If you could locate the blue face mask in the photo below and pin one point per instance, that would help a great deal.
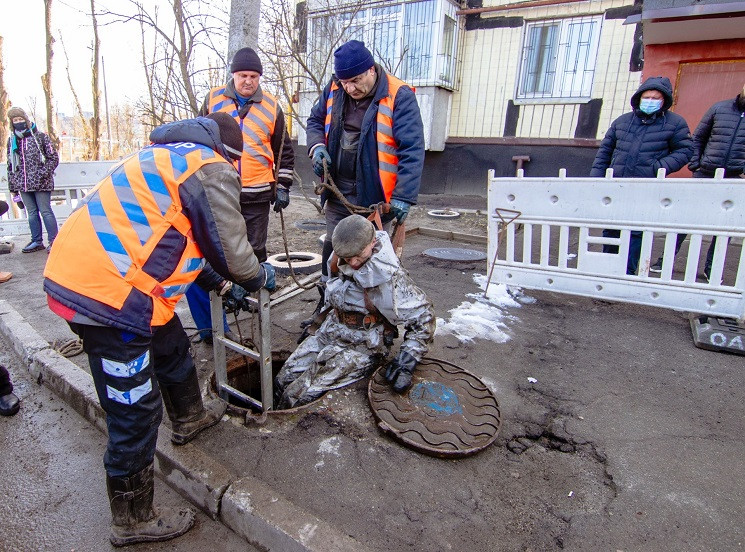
(649, 106)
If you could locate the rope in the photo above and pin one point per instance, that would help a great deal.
(68, 347)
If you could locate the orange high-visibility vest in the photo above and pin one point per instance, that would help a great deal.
(387, 148)
(257, 161)
(119, 226)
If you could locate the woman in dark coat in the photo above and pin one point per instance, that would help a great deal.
(641, 142)
(31, 163)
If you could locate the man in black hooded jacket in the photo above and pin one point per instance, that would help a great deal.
(719, 142)
(641, 142)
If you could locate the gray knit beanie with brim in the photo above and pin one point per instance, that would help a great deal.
(14, 112)
(352, 235)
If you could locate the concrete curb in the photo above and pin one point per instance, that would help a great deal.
(247, 506)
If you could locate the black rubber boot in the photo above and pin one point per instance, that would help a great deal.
(133, 518)
(187, 412)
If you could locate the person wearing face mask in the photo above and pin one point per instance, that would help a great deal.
(367, 297)
(32, 160)
(639, 143)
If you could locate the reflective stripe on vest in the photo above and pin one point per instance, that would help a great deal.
(387, 148)
(120, 227)
(257, 161)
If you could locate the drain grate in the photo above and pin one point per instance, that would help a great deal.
(447, 412)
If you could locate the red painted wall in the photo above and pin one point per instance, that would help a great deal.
(663, 60)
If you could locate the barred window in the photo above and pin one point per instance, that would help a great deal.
(558, 59)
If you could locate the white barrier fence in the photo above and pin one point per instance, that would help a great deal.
(71, 182)
(556, 244)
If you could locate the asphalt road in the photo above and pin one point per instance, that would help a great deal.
(52, 481)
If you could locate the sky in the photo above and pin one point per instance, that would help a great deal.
(22, 29)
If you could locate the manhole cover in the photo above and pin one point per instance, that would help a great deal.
(447, 411)
(312, 225)
(454, 254)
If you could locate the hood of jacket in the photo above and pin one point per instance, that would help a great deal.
(655, 83)
(200, 131)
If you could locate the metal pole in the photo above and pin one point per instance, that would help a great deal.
(106, 103)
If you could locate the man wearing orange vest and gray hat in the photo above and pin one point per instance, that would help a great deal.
(118, 267)
(366, 131)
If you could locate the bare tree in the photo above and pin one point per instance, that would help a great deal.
(85, 126)
(46, 79)
(95, 154)
(187, 46)
(3, 106)
(291, 59)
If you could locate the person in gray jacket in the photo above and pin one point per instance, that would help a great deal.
(719, 142)
(365, 301)
(641, 142)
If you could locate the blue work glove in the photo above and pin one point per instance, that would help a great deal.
(235, 299)
(269, 282)
(400, 209)
(399, 370)
(283, 198)
(321, 156)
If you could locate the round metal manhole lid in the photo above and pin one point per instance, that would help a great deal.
(313, 225)
(447, 411)
(454, 254)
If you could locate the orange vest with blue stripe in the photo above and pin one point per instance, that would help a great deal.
(120, 226)
(256, 166)
(387, 148)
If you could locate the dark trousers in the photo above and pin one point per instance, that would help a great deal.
(126, 369)
(199, 307)
(6, 387)
(635, 248)
(255, 211)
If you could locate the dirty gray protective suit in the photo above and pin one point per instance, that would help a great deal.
(338, 354)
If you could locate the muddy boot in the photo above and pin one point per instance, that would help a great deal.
(133, 518)
(189, 416)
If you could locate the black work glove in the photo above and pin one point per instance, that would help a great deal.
(235, 299)
(283, 198)
(320, 157)
(399, 370)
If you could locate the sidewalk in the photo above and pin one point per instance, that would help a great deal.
(618, 434)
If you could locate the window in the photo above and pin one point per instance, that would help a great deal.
(415, 41)
(558, 59)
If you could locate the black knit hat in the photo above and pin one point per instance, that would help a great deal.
(352, 59)
(246, 59)
(230, 133)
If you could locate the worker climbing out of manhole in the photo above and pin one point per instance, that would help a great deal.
(115, 273)
(367, 297)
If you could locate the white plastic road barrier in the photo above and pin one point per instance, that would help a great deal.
(72, 181)
(557, 244)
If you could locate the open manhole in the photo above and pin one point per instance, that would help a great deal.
(443, 213)
(454, 254)
(303, 262)
(313, 225)
(447, 411)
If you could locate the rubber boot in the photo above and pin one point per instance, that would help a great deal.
(188, 415)
(133, 518)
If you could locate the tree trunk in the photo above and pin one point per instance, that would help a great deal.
(3, 106)
(244, 25)
(96, 120)
(46, 79)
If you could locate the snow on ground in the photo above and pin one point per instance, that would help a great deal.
(486, 316)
